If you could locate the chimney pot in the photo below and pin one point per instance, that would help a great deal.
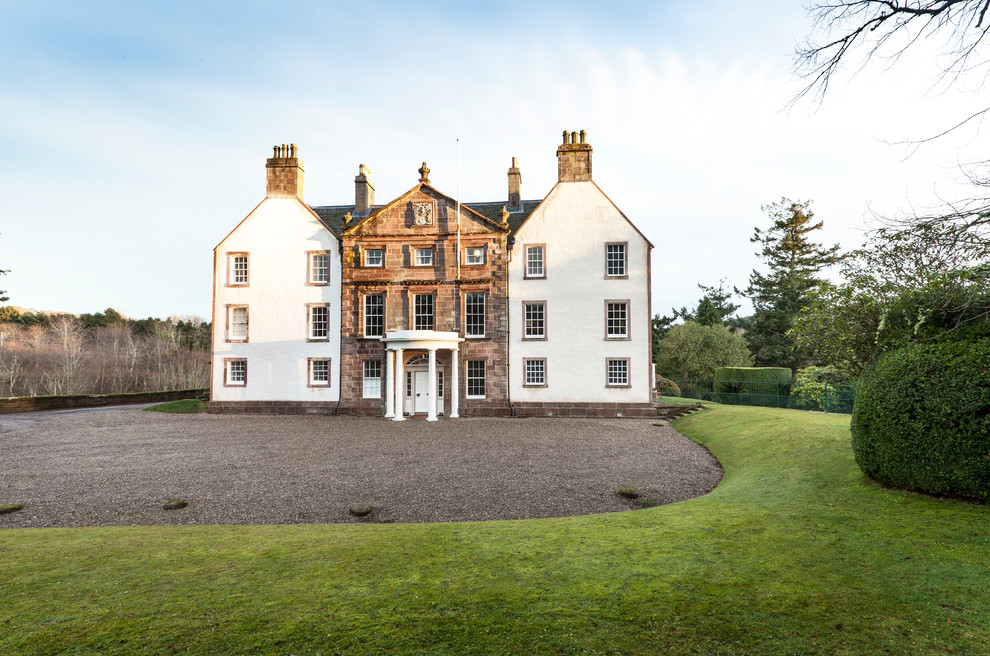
(565, 136)
(583, 135)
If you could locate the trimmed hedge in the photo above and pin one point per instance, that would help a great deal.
(751, 385)
(758, 375)
(922, 419)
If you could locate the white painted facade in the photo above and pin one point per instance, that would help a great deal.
(573, 224)
(278, 237)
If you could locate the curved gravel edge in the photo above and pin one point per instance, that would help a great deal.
(119, 467)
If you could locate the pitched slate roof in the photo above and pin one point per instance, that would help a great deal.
(332, 216)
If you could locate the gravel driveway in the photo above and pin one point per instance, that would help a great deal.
(117, 467)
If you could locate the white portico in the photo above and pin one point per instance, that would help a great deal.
(398, 345)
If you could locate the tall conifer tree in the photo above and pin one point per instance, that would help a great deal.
(793, 264)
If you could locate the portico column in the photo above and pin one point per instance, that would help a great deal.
(400, 387)
(431, 407)
(455, 385)
(389, 382)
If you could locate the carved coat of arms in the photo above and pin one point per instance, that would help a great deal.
(422, 213)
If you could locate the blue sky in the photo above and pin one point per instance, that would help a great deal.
(134, 134)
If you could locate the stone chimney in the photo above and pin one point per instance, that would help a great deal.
(364, 191)
(574, 158)
(515, 181)
(285, 173)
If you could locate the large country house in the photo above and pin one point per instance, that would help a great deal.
(424, 306)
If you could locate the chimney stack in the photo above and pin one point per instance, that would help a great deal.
(285, 173)
(574, 158)
(364, 191)
(515, 182)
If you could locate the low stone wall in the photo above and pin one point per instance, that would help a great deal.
(35, 403)
(635, 410)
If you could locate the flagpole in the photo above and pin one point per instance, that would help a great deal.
(458, 192)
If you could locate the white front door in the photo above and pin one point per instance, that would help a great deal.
(421, 390)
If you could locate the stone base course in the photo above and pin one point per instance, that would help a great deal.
(273, 407)
(613, 410)
(639, 410)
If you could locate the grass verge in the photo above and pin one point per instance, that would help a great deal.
(182, 406)
(794, 553)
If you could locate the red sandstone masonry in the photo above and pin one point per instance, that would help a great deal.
(394, 231)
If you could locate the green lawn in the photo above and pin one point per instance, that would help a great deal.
(794, 553)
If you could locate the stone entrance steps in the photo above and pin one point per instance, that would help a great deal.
(670, 411)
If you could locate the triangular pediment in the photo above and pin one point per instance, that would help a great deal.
(422, 211)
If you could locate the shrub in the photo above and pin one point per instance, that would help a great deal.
(812, 385)
(922, 419)
(667, 387)
(691, 350)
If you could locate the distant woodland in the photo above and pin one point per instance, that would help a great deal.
(102, 353)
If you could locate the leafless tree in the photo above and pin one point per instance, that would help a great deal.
(866, 29)
(859, 31)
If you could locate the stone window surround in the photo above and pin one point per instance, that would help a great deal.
(226, 372)
(414, 250)
(309, 322)
(364, 256)
(546, 322)
(484, 255)
(468, 378)
(526, 382)
(617, 338)
(484, 325)
(366, 378)
(625, 260)
(526, 274)
(364, 313)
(309, 268)
(309, 372)
(230, 268)
(228, 337)
(628, 382)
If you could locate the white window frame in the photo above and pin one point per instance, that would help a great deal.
(467, 314)
(423, 257)
(541, 369)
(528, 262)
(233, 274)
(313, 324)
(380, 256)
(474, 255)
(611, 322)
(371, 379)
(318, 274)
(229, 365)
(319, 364)
(233, 333)
(470, 376)
(621, 266)
(366, 315)
(624, 368)
(526, 334)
